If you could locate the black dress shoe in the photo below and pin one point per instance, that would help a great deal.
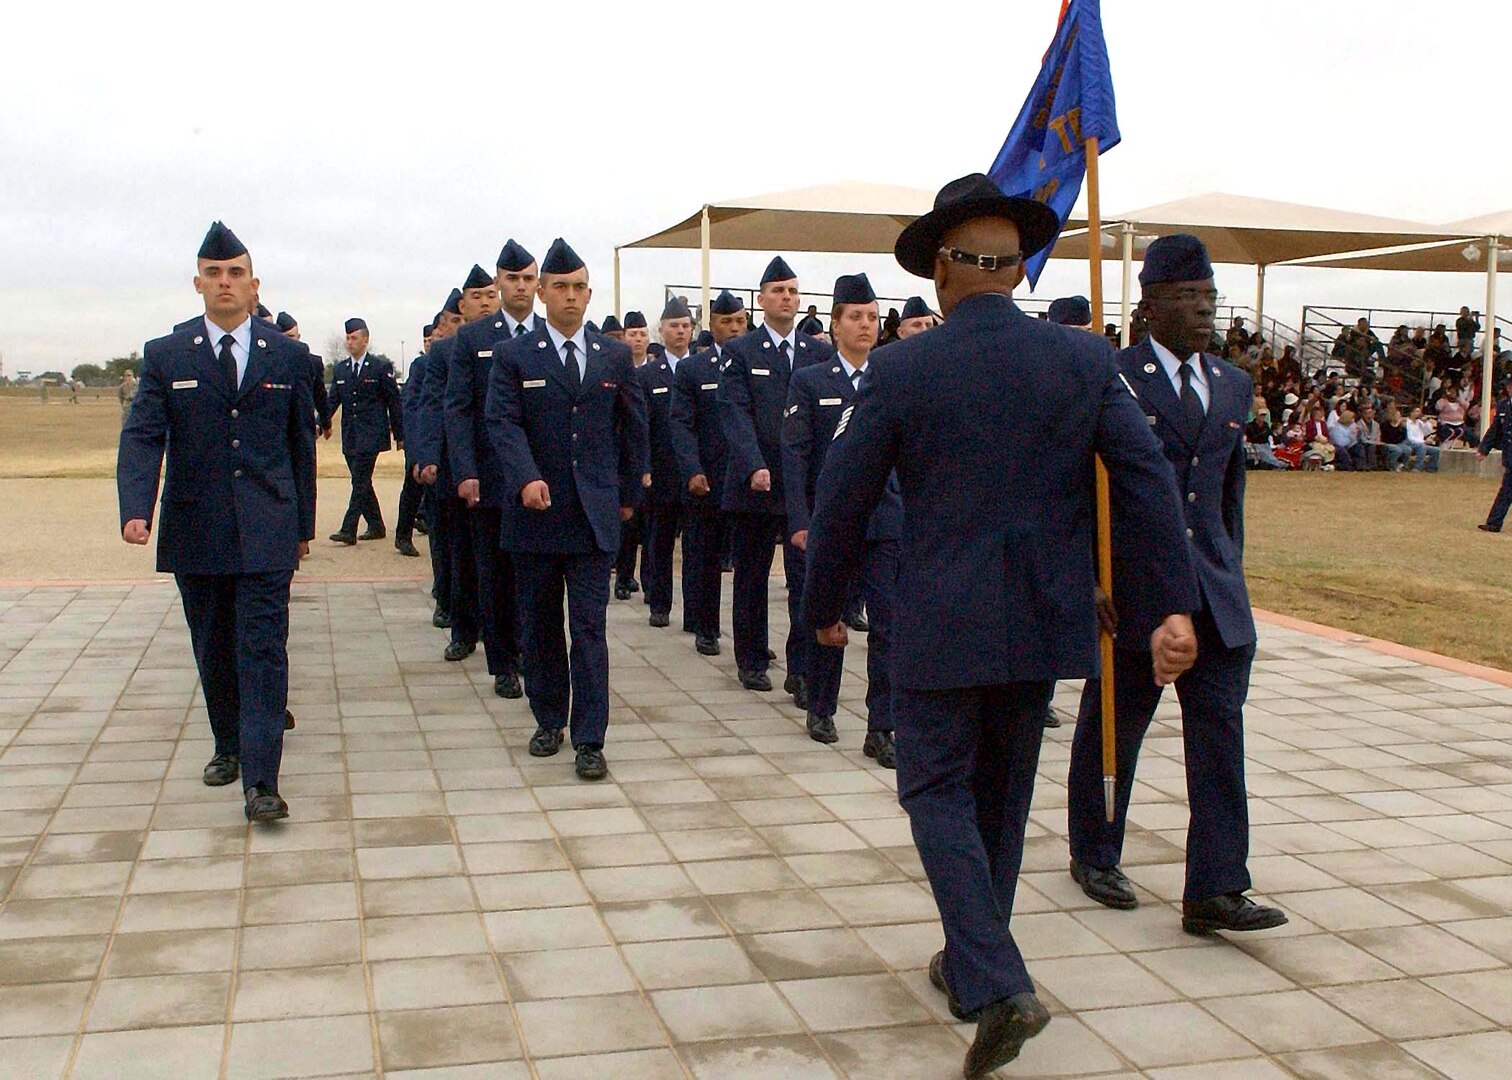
(822, 728)
(373, 534)
(264, 805)
(937, 980)
(407, 547)
(621, 592)
(1488, 528)
(1230, 911)
(422, 528)
(632, 585)
(771, 654)
(879, 745)
(798, 687)
(221, 770)
(590, 764)
(344, 538)
(1108, 887)
(508, 686)
(706, 645)
(859, 624)
(441, 620)
(755, 680)
(1052, 720)
(545, 742)
(459, 650)
(726, 566)
(288, 720)
(1005, 1026)
(660, 619)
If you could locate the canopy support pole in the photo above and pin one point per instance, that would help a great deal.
(1125, 327)
(703, 235)
(1260, 300)
(1488, 323)
(617, 313)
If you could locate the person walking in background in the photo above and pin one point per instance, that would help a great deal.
(124, 393)
(367, 393)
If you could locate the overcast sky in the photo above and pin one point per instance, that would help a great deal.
(368, 156)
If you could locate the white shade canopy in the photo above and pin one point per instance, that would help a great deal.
(1464, 254)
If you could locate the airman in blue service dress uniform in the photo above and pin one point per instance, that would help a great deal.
(476, 468)
(663, 486)
(752, 396)
(568, 422)
(995, 597)
(817, 398)
(1196, 405)
(367, 393)
(456, 607)
(1498, 436)
(413, 494)
(290, 327)
(633, 540)
(228, 402)
(699, 443)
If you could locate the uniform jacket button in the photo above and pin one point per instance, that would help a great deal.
(234, 414)
(1191, 496)
(1194, 463)
(237, 474)
(1189, 534)
(236, 444)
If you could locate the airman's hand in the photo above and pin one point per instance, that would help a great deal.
(135, 531)
(800, 539)
(1173, 648)
(761, 480)
(699, 485)
(535, 495)
(467, 491)
(833, 636)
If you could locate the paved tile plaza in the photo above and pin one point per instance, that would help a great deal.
(736, 901)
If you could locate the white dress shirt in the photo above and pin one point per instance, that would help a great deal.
(791, 339)
(512, 324)
(579, 343)
(852, 372)
(1173, 372)
(241, 344)
(673, 361)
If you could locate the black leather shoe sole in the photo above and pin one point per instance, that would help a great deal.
(755, 680)
(822, 729)
(590, 765)
(458, 650)
(660, 619)
(860, 626)
(1251, 917)
(407, 549)
(882, 751)
(221, 770)
(371, 535)
(1487, 528)
(1005, 1026)
(545, 743)
(621, 593)
(344, 538)
(1107, 893)
(288, 720)
(265, 807)
(441, 620)
(1051, 719)
(937, 980)
(707, 646)
(508, 686)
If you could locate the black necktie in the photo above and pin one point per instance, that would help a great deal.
(574, 377)
(519, 330)
(856, 381)
(1191, 404)
(228, 362)
(787, 360)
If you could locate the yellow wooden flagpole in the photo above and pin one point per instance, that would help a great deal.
(1104, 502)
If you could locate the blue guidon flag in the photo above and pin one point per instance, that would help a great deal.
(1045, 154)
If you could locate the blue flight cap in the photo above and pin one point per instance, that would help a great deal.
(1178, 257)
(513, 257)
(560, 259)
(853, 289)
(778, 270)
(453, 303)
(726, 303)
(477, 278)
(634, 320)
(354, 325)
(676, 308)
(1071, 311)
(285, 321)
(590, 325)
(656, 348)
(263, 312)
(428, 329)
(916, 308)
(610, 325)
(811, 326)
(705, 339)
(220, 244)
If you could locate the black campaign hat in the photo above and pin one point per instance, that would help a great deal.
(916, 308)
(477, 278)
(1178, 257)
(513, 257)
(726, 303)
(853, 289)
(220, 244)
(560, 259)
(676, 308)
(354, 325)
(1071, 311)
(285, 321)
(961, 200)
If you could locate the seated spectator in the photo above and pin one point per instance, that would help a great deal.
(1420, 338)
(1259, 448)
(1394, 438)
(1315, 436)
(1344, 433)
(1370, 437)
(1465, 329)
(1289, 366)
(1419, 432)
(1293, 441)
(1450, 407)
(1237, 335)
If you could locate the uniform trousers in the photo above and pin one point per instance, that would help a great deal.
(462, 596)
(410, 497)
(801, 649)
(876, 583)
(629, 548)
(566, 686)
(497, 608)
(1502, 502)
(239, 630)
(705, 534)
(1212, 697)
(662, 523)
(968, 756)
(755, 540)
(364, 501)
(440, 550)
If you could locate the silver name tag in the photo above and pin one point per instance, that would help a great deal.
(831, 401)
(532, 384)
(709, 386)
(485, 352)
(186, 384)
(761, 371)
(660, 389)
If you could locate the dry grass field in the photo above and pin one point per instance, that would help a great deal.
(1391, 556)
